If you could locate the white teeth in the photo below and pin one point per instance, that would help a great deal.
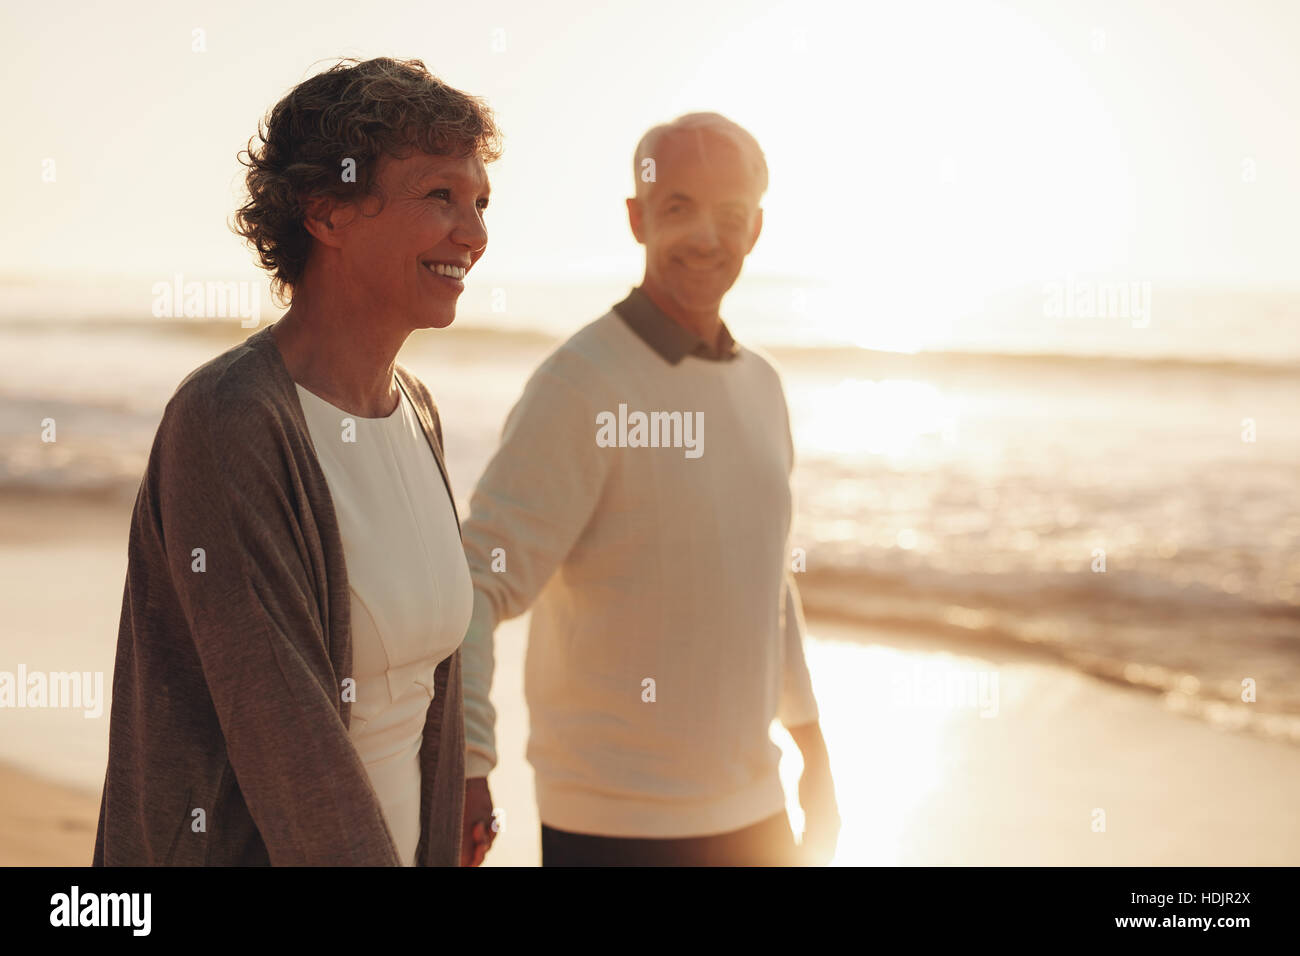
(443, 269)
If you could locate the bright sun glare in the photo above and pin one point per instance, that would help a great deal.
(918, 206)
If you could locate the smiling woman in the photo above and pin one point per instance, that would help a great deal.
(298, 689)
(398, 110)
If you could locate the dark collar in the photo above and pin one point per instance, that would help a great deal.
(670, 340)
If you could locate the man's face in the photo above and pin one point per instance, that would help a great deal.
(432, 218)
(698, 221)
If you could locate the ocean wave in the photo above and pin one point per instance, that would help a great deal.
(862, 360)
(939, 362)
(1193, 651)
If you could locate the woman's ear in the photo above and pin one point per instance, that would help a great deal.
(323, 220)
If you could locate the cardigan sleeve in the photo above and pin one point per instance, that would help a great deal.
(253, 601)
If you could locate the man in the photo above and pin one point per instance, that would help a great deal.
(666, 632)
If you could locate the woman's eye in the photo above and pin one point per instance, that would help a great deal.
(441, 194)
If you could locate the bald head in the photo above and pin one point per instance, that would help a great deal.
(705, 135)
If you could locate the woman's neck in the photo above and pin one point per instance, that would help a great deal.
(339, 359)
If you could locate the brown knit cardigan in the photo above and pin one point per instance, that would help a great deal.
(228, 742)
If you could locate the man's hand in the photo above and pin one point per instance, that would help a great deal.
(477, 832)
(821, 831)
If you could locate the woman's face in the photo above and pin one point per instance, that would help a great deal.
(408, 260)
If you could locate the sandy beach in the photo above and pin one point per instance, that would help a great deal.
(1026, 773)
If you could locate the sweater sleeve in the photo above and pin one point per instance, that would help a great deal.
(532, 503)
(253, 609)
(798, 705)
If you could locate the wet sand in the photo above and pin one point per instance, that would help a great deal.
(1054, 767)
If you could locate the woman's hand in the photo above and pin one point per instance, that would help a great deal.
(477, 831)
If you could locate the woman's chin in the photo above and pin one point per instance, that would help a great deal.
(438, 320)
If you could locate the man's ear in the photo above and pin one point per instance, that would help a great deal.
(323, 220)
(636, 218)
(758, 227)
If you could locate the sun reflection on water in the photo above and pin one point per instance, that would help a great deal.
(887, 758)
(890, 417)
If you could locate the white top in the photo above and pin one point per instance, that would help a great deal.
(410, 586)
(669, 564)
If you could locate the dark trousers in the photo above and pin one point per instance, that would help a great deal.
(769, 842)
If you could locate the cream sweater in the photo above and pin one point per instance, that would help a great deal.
(666, 632)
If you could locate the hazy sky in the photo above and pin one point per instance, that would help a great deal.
(962, 145)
